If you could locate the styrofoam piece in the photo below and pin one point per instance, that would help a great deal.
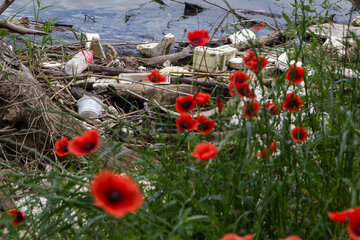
(236, 63)
(212, 59)
(93, 43)
(89, 106)
(51, 65)
(282, 62)
(139, 77)
(175, 70)
(229, 51)
(164, 47)
(242, 36)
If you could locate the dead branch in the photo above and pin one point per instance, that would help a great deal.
(186, 52)
(17, 29)
(203, 83)
(110, 70)
(276, 38)
(5, 5)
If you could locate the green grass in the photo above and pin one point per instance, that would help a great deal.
(289, 193)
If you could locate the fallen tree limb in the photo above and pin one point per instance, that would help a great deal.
(203, 83)
(186, 52)
(5, 5)
(17, 29)
(110, 70)
(270, 40)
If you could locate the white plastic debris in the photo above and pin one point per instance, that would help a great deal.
(52, 65)
(282, 62)
(142, 68)
(89, 106)
(176, 70)
(241, 37)
(236, 63)
(356, 21)
(164, 47)
(93, 43)
(212, 59)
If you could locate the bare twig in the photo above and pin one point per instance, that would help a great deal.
(5, 5)
(13, 28)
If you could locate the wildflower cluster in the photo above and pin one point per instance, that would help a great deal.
(202, 124)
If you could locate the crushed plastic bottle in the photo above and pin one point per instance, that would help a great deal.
(79, 62)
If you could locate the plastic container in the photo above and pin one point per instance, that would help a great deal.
(208, 59)
(79, 62)
(89, 106)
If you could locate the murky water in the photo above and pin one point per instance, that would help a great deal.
(142, 20)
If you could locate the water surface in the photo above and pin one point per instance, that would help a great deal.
(143, 20)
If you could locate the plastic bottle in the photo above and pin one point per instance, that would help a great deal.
(79, 62)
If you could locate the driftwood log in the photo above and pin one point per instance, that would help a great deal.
(276, 38)
(154, 61)
(166, 95)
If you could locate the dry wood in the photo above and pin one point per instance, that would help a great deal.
(274, 39)
(5, 5)
(186, 52)
(165, 95)
(203, 83)
(110, 70)
(17, 29)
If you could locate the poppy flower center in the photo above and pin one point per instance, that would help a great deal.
(292, 103)
(204, 126)
(154, 79)
(19, 217)
(186, 105)
(89, 146)
(184, 125)
(114, 197)
(64, 149)
(299, 135)
(195, 41)
(357, 231)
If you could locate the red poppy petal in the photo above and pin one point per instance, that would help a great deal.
(116, 194)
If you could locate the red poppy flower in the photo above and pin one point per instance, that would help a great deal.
(84, 144)
(292, 102)
(257, 64)
(250, 109)
(185, 122)
(61, 147)
(291, 238)
(272, 108)
(155, 77)
(298, 134)
(233, 236)
(264, 152)
(204, 125)
(248, 59)
(259, 27)
(198, 38)
(219, 104)
(295, 74)
(116, 194)
(243, 89)
(205, 151)
(185, 104)
(353, 217)
(238, 77)
(202, 98)
(20, 216)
